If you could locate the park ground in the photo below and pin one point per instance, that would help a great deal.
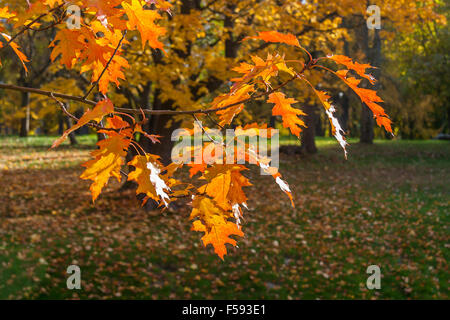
(387, 205)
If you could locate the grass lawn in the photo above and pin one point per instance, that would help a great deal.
(387, 205)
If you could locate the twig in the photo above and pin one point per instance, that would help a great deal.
(64, 109)
(204, 131)
(214, 121)
(67, 113)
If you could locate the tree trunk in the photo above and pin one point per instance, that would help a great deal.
(68, 122)
(272, 121)
(308, 135)
(72, 138)
(366, 126)
(448, 119)
(345, 105)
(367, 121)
(25, 122)
(162, 125)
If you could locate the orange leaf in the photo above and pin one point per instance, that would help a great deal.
(108, 160)
(290, 115)
(359, 68)
(67, 43)
(23, 58)
(147, 175)
(227, 115)
(336, 128)
(112, 74)
(219, 234)
(213, 221)
(143, 20)
(263, 162)
(5, 14)
(369, 97)
(274, 36)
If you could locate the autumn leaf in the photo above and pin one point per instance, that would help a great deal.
(113, 73)
(261, 71)
(219, 234)
(5, 13)
(235, 193)
(369, 97)
(213, 221)
(283, 107)
(143, 20)
(264, 164)
(219, 181)
(227, 115)
(108, 160)
(22, 57)
(147, 175)
(274, 36)
(103, 8)
(284, 187)
(195, 168)
(224, 184)
(67, 44)
(101, 56)
(359, 68)
(336, 128)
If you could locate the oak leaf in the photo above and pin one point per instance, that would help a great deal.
(108, 161)
(359, 68)
(283, 107)
(68, 44)
(147, 175)
(214, 222)
(219, 234)
(143, 21)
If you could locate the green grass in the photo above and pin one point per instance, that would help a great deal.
(388, 205)
(41, 142)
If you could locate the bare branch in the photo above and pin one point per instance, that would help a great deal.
(64, 109)
(47, 93)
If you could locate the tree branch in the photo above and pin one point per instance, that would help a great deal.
(47, 93)
(156, 112)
